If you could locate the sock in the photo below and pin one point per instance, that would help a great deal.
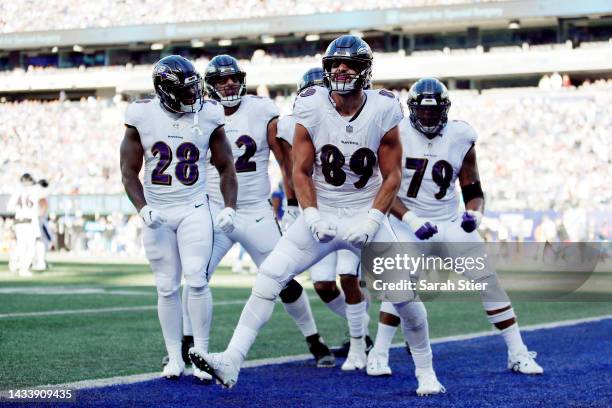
(169, 312)
(338, 305)
(355, 317)
(416, 333)
(302, 315)
(513, 339)
(200, 310)
(384, 337)
(256, 313)
(187, 330)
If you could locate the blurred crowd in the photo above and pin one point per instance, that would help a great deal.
(539, 150)
(61, 14)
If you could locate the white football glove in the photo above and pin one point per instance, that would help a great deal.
(225, 220)
(291, 214)
(362, 233)
(323, 231)
(152, 218)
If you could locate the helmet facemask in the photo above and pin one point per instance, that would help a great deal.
(343, 82)
(182, 98)
(229, 95)
(429, 116)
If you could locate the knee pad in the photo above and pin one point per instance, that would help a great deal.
(166, 293)
(413, 314)
(194, 273)
(266, 287)
(493, 293)
(166, 287)
(387, 307)
(292, 292)
(197, 291)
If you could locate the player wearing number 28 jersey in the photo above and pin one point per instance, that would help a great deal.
(173, 133)
(349, 140)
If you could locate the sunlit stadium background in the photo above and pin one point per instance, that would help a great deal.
(534, 78)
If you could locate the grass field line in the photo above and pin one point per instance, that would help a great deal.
(67, 290)
(111, 309)
(130, 379)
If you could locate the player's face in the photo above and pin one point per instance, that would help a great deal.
(228, 86)
(342, 70)
(429, 116)
(187, 94)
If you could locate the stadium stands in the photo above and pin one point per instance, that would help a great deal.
(61, 15)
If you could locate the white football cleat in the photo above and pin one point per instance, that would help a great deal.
(357, 357)
(524, 363)
(219, 365)
(201, 376)
(173, 370)
(428, 382)
(378, 364)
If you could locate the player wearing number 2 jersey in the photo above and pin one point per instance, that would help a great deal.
(251, 127)
(174, 133)
(349, 139)
(437, 153)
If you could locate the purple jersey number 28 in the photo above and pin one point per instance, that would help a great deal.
(186, 170)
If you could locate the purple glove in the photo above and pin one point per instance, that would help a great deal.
(426, 231)
(422, 229)
(470, 220)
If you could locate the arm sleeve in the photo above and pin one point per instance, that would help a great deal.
(304, 110)
(132, 115)
(270, 110)
(467, 140)
(286, 129)
(393, 115)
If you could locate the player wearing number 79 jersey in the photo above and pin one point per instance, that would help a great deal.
(438, 153)
(173, 133)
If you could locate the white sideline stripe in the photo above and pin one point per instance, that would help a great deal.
(103, 310)
(131, 379)
(110, 309)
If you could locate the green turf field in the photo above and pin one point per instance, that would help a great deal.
(49, 335)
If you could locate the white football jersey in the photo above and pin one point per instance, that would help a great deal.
(431, 167)
(25, 203)
(346, 172)
(247, 132)
(175, 149)
(286, 128)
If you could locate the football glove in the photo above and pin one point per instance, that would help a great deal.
(225, 220)
(362, 233)
(322, 231)
(291, 214)
(152, 218)
(422, 229)
(471, 220)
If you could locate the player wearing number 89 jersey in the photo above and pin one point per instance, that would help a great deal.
(173, 133)
(349, 140)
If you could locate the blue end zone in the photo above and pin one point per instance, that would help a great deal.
(577, 361)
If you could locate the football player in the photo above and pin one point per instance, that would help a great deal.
(343, 262)
(25, 203)
(173, 133)
(438, 153)
(251, 127)
(346, 172)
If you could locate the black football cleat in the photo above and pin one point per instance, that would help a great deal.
(317, 347)
(187, 343)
